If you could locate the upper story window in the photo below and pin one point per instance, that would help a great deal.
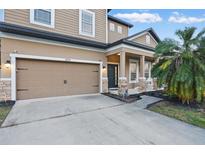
(87, 23)
(147, 39)
(119, 29)
(1, 14)
(112, 27)
(43, 17)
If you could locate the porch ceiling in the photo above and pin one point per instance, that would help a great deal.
(131, 51)
(115, 58)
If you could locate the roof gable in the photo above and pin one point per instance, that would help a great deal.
(149, 31)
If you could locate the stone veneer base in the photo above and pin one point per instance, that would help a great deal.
(5, 90)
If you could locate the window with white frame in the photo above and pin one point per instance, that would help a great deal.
(1, 14)
(112, 27)
(44, 17)
(87, 23)
(147, 39)
(147, 71)
(133, 71)
(119, 29)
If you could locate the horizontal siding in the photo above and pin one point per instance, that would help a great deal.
(66, 22)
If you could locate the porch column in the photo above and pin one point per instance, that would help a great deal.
(122, 78)
(122, 64)
(142, 62)
(142, 82)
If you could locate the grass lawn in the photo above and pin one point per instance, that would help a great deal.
(183, 113)
(3, 113)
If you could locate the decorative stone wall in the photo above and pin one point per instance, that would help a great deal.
(142, 84)
(105, 85)
(5, 90)
(123, 86)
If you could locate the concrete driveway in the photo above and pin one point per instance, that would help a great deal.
(94, 119)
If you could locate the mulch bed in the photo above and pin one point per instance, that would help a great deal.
(173, 99)
(128, 99)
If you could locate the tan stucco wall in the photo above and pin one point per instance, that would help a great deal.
(142, 40)
(25, 47)
(66, 22)
(114, 35)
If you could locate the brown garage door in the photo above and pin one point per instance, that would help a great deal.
(37, 79)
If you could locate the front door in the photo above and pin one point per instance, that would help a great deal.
(112, 75)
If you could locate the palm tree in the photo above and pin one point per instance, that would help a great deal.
(181, 65)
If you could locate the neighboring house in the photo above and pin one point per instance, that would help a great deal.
(47, 53)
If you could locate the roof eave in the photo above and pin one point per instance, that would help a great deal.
(149, 30)
(120, 21)
(133, 44)
(21, 30)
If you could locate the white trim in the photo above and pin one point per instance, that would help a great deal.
(3, 15)
(137, 36)
(14, 56)
(137, 70)
(80, 23)
(13, 78)
(101, 74)
(129, 47)
(52, 25)
(49, 42)
(106, 40)
(5, 79)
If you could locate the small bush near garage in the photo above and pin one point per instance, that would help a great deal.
(4, 110)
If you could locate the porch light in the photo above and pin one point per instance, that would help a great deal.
(8, 63)
(104, 67)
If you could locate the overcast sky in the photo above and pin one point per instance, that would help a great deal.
(164, 22)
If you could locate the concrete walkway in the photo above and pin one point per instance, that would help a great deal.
(146, 100)
(109, 122)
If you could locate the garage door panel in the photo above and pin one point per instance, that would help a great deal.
(36, 79)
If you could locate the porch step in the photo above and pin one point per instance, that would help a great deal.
(113, 91)
(113, 88)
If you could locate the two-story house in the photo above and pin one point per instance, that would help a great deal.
(49, 53)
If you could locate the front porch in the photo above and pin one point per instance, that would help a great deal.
(129, 71)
